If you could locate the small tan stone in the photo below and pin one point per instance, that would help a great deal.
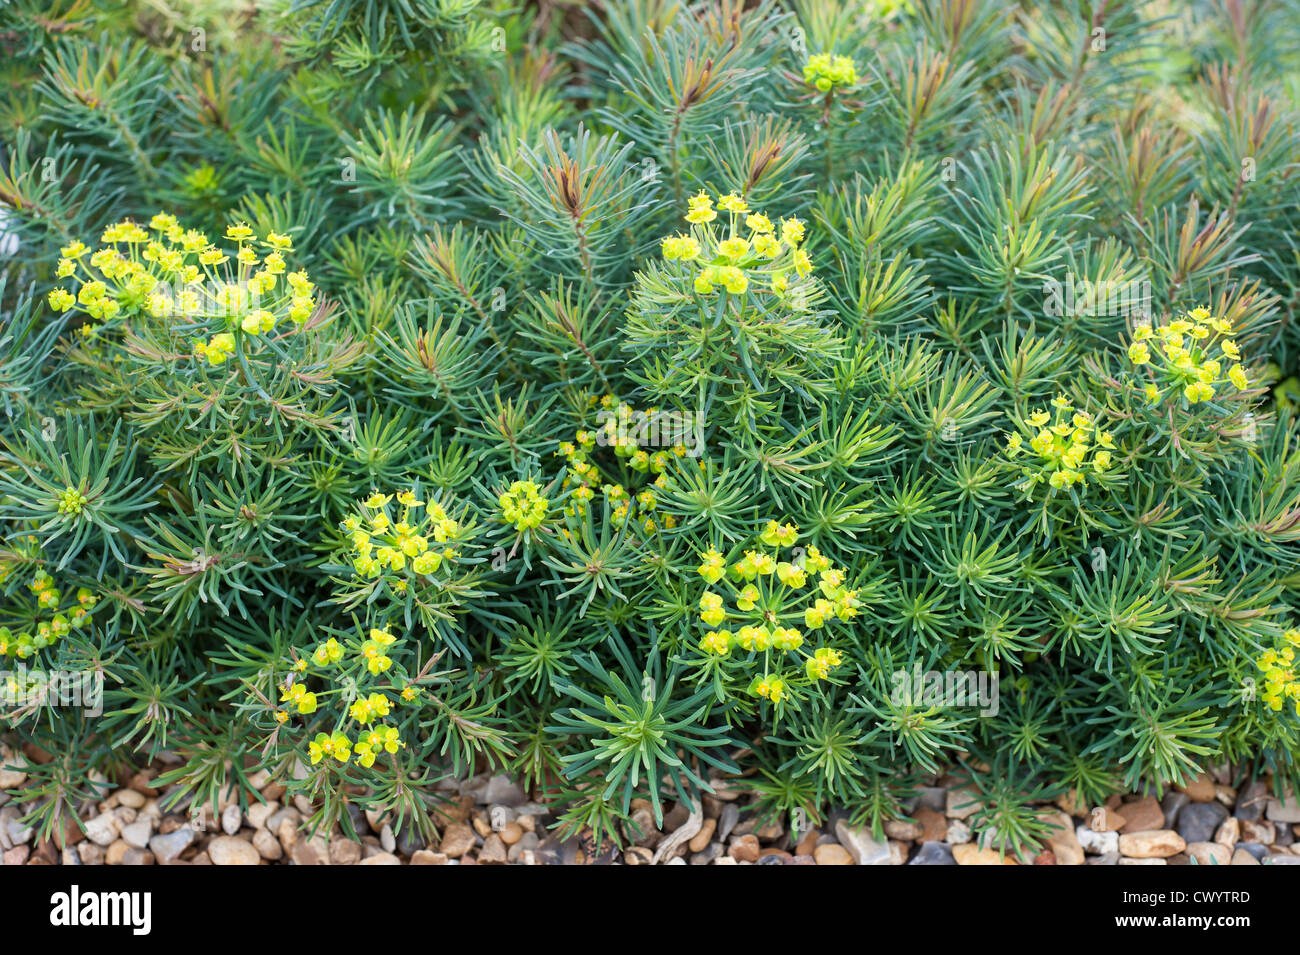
(382, 858)
(228, 850)
(259, 813)
(962, 803)
(425, 857)
(745, 848)
(1151, 844)
(1062, 840)
(1229, 833)
(130, 798)
(1242, 857)
(1262, 831)
(344, 852)
(114, 853)
(1200, 789)
(902, 830)
(267, 845)
(493, 851)
(1209, 853)
(457, 840)
(832, 854)
(700, 841)
(934, 827)
(1142, 814)
(968, 853)
(511, 833)
(809, 842)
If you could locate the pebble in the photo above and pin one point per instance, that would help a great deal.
(832, 854)
(700, 841)
(138, 834)
(231, 817)
(1102, 819)
(511, 833)
(260, 813)
(425, 857)
(1070, 804)
(344, 852)
(227, 850)
(493, 851)
(727, 820)
(861, 844)
(387, 839)
(113, 855)
(1106, 858)
(137, 857)
(934, 853)
(1252, 800)
(526, 846)
(962, 803)
(903, 830)
(19, 833)
(90, 854)
(167, 846)
(1062, 840)
(103, 829)
(1172, 804)
(382, 858)
(304, 853)
(707, 855)
(1229, 833)
(971, 854)
(267, 845)
(1200, 789)
(1262, 832)
(1097, 843)
(1142, 814)
(1151, 844)
(934, 825)
(1199, 821)
(501, 790)
(744, 848)
(1284, 810)
(1133, 861)
(457, 839)
(11, 777)
(18, 855)
(131, 799)
(934, 798)
(1209, 853)
(958, 833)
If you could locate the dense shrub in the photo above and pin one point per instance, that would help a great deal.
(632, 397)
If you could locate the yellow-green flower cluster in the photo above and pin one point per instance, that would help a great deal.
(413, 539)
(64, 616)
(171, 272)
(768, 606)
(1281, 679)
(341, 669)
(619, 426)
(523, 505)
(369, 744)
(1061, 447)
(828, 71)
(1194, 356)
(747, 251)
